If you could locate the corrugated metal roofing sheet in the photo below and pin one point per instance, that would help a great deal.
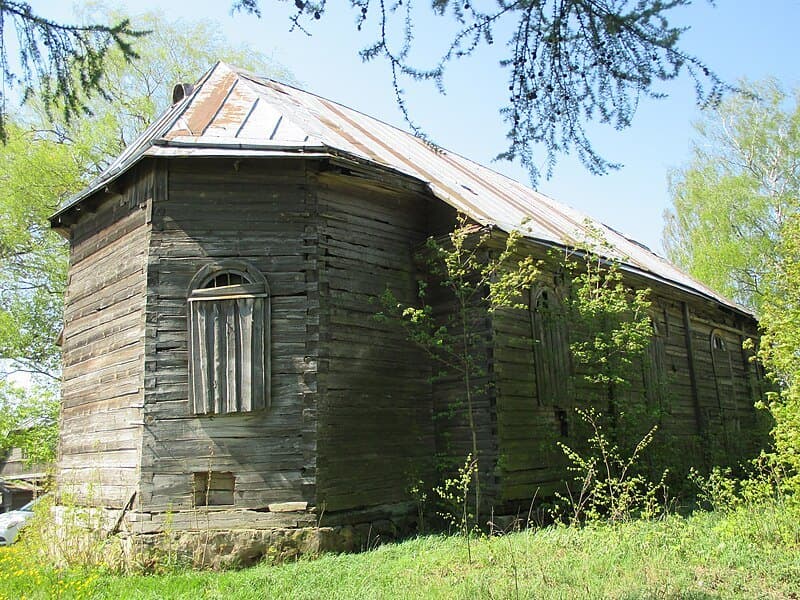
(232, 112)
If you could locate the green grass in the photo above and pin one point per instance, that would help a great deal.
(749, 553)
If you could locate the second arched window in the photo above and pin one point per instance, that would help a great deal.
(551, 354)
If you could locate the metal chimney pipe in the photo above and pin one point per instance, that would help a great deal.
(180, 91)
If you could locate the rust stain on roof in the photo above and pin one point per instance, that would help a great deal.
(234, 111)
(208, 105)
(541, 218)
(353, 140)
(376, 141)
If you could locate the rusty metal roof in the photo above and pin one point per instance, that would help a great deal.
(234, 113)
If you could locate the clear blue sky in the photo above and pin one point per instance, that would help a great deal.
(737, 38)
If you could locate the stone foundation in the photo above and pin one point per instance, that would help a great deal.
(253, 537)
(245, 547)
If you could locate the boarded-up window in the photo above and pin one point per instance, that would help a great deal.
(654, 365)
(213, 488)
(551, 355)
(724, 380)
(229, 359)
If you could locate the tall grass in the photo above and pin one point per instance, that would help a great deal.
(749, 552)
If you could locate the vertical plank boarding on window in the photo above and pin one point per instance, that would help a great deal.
(550, 350)
(245, 332)
(724, 384)
(654, 365)
(260, 355)
(229, 370)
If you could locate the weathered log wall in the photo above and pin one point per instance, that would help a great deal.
(263, 213)
(375, 435)
(702, 400)
(103, 349)
(354, 419)
(454, 435)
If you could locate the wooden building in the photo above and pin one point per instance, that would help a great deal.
(20, 482)
(220, 353)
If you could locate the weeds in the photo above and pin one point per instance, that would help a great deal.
(69, 534)
(419, 493)
(747, 553)
(454, 495)
(609, 485)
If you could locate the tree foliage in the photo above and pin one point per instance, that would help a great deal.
(29, 421)
(735, 224)
(36, 173)
(780, 349)
(741, 185)
(61, 64)
(568, 62)
(611, 320)
(50, 156)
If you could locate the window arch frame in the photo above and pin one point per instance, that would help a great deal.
(552, 370)
(724, 381)
(654, 361)
(228, 326)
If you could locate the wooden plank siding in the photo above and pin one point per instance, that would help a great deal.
(375, 433)
(260, 212)
(451, 414)
(14, 464)
(103, 349)
(531, 465)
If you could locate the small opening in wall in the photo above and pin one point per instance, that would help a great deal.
(225, 279)
(563, 423)
(213, 488)
(717, 343)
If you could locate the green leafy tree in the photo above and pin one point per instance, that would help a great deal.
(568, 62)
(477, 277)
(731, 201)
(62, 64)
(611, 320)
(611, 333)
(36, 173)
(735, 224)
(780, 350)
(29, 421)
(48, 157)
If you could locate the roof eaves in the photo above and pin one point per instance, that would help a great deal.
(134, 152)
(641, 272)
(237, 145)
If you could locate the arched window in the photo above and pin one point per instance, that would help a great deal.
(718, 342)
(654, 364)
(723, 379)
(229, 340)
(551, 354)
